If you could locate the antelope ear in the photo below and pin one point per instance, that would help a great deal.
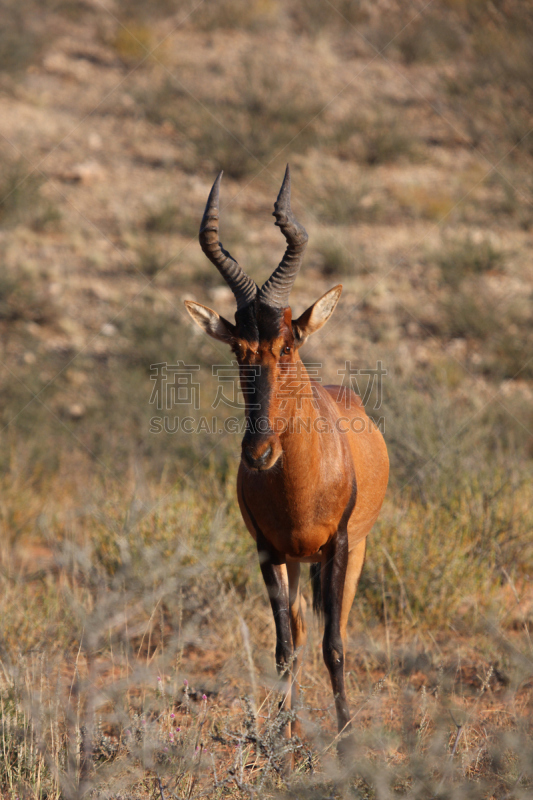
(316, 315)
(211, 322)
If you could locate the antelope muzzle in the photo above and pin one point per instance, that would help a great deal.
(260, 449)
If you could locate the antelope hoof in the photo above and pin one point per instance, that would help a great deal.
(346, 750)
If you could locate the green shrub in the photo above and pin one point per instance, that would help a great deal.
(345, 202)
(338, 257)
(21, 37)
(24, 296)
(21, 198)
(461, 258)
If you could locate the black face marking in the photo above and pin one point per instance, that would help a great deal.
(246, 324)
(258, 322)
(269, 322)
(259, 400)
(260, 325)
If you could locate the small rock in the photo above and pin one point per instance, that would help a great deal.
(86, 173)
(76, 410)
(94, 141)
(108, 329)
(422, 355)
(458, 348)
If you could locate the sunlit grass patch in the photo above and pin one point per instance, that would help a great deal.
(445, 563)
(238, 14)
(421, 202)
(133, 43)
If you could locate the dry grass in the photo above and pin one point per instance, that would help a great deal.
(137, 644)
(157, 669)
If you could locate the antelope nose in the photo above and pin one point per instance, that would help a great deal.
(259, 462)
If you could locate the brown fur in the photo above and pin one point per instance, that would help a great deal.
(298, 504)
(311, 481)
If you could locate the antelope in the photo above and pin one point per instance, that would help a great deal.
(314, 467)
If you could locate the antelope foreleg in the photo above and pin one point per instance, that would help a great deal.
(274, 570)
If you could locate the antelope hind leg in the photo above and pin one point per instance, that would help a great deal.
(297, 608)
(341, 572)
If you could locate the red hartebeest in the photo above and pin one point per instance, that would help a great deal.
(314, 468)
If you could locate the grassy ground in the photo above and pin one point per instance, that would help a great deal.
(136, 649)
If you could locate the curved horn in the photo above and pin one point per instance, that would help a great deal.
(275, 292)
(242, 286)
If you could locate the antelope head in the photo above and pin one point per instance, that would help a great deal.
(264, 338)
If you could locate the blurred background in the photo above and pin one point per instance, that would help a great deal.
(126, 568)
